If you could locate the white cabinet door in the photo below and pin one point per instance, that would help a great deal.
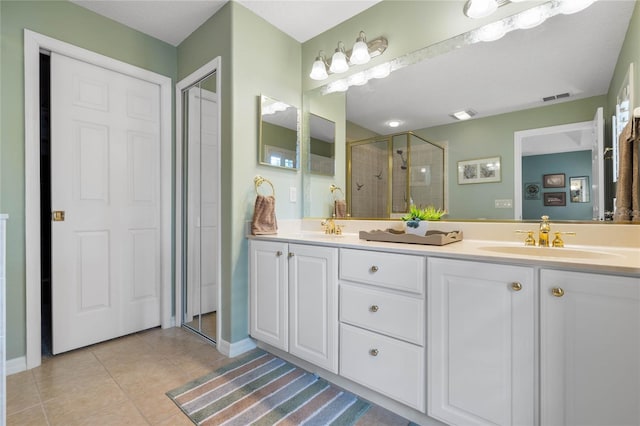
(589, 349)
(268, 293)
(313, 304)
(480, 343)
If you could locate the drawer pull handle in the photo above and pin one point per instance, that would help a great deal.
(374, 308)
(516, 286)
(278, 253)
(373, 352)
(557, 292)
(291, 255)
(374, 268)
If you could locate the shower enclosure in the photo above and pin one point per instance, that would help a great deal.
(386, 174)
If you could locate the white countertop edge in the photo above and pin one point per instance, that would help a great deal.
(626, 261)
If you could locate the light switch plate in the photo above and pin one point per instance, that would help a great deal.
(504, 204)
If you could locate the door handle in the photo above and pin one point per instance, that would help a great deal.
(57, 215)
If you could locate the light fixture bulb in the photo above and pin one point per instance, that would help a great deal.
(393, 123)
(567, 7)
(491, 32)
(529, 18)
(480, 8)
(338, 86)
(358, 79)
(339, 60)
(360, 52)
(319, 69)
(380, 71)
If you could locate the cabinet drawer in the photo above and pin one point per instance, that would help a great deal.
(398, 316)
(398, 271)
(388, 366)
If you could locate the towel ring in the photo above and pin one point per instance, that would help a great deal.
(259, 180)
(333, 188)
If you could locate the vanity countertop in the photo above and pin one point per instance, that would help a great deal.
(623, 260)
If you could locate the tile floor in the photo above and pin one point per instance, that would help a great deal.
(123, 382)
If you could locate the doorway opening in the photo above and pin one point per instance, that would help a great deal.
(45, 205)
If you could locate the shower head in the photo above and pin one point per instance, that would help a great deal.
(399, 152)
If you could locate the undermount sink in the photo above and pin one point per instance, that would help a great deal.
(549, 252)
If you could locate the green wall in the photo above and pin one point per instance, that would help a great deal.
(73, 24)
(279, 136)
(256, 59)
(493, 136)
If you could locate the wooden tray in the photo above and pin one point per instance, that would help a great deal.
(435, 238)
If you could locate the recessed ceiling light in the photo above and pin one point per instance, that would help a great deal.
(393, 123)
(463, 115)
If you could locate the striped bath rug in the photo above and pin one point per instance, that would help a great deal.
(261, 389)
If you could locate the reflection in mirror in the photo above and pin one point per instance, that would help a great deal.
(322, 134)
(579, 187)
(278, 135)
(504, 82)
(387, 174)
(199, 205)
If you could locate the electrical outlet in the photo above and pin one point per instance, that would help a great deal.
(293, 194)
(504, 204)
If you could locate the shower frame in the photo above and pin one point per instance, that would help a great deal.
(389, 139)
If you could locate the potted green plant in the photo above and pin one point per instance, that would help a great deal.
(417, 220)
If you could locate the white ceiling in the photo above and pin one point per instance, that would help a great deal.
(174, 20)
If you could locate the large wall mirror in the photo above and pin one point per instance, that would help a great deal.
(554, 74)
(278, 135)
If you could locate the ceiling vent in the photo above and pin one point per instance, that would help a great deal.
(555, 97)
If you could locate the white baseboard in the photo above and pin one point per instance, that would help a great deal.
(16, 365)
(234, 349)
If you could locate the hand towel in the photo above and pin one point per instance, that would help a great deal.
(264, 216)
(628, 186)
(340, 208)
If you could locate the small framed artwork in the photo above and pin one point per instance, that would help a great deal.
(579, 189)
(555, 180)
(531, 191)
(482, 170)
(555, 198)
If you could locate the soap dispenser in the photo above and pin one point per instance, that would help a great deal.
(543, 233)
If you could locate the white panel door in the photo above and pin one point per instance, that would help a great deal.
(202, 276)
(313, 304)
(597, 165)
(269, 293)
(480, 343)
(589, 349)
(105, 161)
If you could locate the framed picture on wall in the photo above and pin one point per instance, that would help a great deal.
(555, 198)
(531, 191)
(482, 170)
(555, 180)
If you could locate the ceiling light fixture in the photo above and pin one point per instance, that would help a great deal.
(463, 115)
(393, 123)
(477, 9)
(360, 54)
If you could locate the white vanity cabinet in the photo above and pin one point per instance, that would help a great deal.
(481, 343)
(382, 323)
(294, 299)
(589, 349)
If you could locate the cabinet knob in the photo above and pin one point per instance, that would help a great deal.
(374, 308)
(374, 268)
(278, 253)
(557, 292)
(291, 255)
(373, 352)
(516, 286)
